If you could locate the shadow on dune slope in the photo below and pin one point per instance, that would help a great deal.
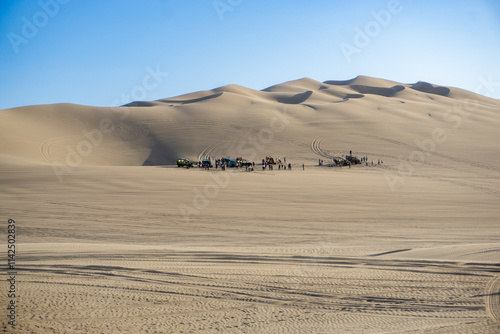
(426, 87)
(200, 99)
(160, 154)
(295, 99)
(383, 91)
(340, 82)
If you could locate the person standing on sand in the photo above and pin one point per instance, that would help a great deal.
(303, 167)
(289, 166)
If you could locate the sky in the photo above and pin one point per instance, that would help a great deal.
(109, 53)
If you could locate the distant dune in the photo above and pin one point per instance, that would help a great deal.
(222, 121)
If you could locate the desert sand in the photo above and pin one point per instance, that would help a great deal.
(112, 237)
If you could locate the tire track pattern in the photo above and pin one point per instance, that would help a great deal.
(48, 146)
(448, 157)
(316, 148)
(57, 144)
(273, 297)
(493, 298)
(207, 152)
(219, 291)
(459, 161)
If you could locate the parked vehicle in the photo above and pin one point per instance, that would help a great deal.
(353, 160)
(339, 161)
(183, 162)
(229, 162)
(206, 163)
(270, 160)
(243, 162)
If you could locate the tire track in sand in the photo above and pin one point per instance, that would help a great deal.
(49, 145)
(316, 148)
(207, 152)
(445, 156)
(493, 298)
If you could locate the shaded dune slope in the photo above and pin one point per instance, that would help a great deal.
(382, 91)
(295, 99)
(200, 99)
(429, 88)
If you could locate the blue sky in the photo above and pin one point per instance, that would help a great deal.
(102, 53)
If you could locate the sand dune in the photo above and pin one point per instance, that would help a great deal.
(111, 237)
(229, 114)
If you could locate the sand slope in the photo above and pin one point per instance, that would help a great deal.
(230, 117)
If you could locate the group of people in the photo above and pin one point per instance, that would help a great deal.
(349, 160)
(365, 160)
(269, 165)
(223, 163)
(270, 162)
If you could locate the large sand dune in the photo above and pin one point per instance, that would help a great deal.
(157, 132)
(112, 238)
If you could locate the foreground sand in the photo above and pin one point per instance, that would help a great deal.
(112, 239)
(322, 250)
